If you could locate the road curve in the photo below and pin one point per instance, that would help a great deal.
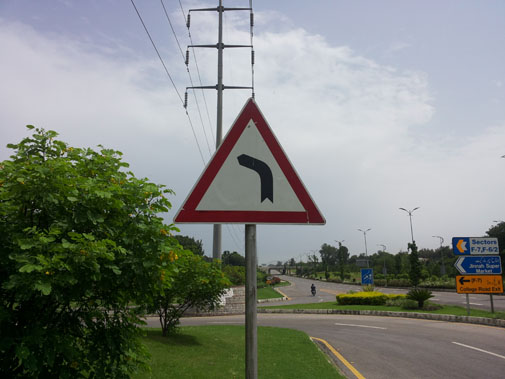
(381, 347)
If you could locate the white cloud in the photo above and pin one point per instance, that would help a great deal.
(345, 122)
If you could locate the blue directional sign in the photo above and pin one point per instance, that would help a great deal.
(479, 265)
(475, 245)
(366, 276)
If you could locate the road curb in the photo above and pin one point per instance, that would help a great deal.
(424, 316)
(284, 298)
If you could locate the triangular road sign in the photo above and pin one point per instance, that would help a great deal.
(249, 180)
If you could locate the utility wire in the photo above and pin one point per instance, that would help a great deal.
(189, 74)
(169, 76)
(198, 73)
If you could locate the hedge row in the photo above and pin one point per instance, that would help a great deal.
(367, 298)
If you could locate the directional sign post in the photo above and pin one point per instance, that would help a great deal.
(479, 265)
(479, 284)
(366, 276)
(475, 246)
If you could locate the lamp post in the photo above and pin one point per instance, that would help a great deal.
(339, 242)
(442, 268)
(366, 249)
(410, 216)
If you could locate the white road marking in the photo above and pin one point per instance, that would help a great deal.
(476, 348)
(361, 326)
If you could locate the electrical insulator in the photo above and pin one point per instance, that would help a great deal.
(186, 99)
(189, 21)
(252, 57)
(252, 20)
(187, 57)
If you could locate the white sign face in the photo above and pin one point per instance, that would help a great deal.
(239, 188)
(249, 180)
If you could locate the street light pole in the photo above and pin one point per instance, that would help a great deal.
(366, 249)
(410, 216)
(442, 268)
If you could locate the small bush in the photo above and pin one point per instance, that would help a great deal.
(362, 298)
(420, 295)
(368, 288)
(275, 280)
(429, 306)
(409, 304)
(395, 300)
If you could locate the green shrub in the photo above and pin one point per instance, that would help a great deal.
(81, 241)
(368, 288)
(362, 298)
(409, 304)
(367, 298)
(420, 295)
(236, 274)
(395, 300)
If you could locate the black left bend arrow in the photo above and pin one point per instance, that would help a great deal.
(266, 179)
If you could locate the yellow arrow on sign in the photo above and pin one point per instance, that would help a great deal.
(461, 245)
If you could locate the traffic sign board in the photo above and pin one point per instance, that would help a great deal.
(366, 276)
(479, 284)
(475, 245)
(249, 180)
(474, 264)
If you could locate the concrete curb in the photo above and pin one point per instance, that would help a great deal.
(284, 298)
(424, 316)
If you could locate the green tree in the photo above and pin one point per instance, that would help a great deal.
(196, 284)
(80, 242)
(328, 255)
(415, 265)
(498, 231)
(342, 258)
(232, 259)
(189, 243)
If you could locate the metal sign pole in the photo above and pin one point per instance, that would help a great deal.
(492, 303)
(467, 305)
(251, 363)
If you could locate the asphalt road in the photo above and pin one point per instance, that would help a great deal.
(384, 347)
(299, 292)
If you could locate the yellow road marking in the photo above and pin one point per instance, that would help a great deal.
(283, 294)
(340, 357)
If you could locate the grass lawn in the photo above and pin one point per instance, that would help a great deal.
(446, 309)
(267, 293)
(219, 352)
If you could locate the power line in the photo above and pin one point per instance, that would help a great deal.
(169, 76)
(198, 73)
(189, 73)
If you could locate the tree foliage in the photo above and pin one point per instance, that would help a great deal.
(233, 259)
(81, 241)
(195, 284)
(415, 265)
(189, 243)
(498, 231)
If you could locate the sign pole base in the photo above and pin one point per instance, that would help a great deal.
(492, 303)
(251, 363)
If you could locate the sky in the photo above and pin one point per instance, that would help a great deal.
(378, 105)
